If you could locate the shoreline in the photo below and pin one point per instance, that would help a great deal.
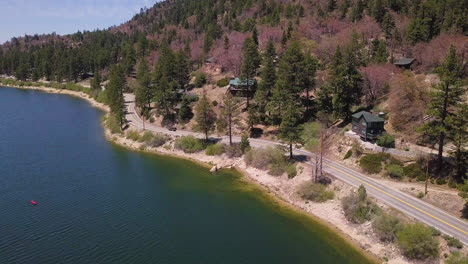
(247, 176)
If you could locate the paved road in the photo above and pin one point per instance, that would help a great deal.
(405, 203)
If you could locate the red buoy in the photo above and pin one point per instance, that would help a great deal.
(33, 202)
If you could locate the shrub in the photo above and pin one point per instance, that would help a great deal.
(113, 124)
(453, 242)
(348, 154)
(386, 141)
(457, 258)
(146, 137)
(357, 149)
(416, 241)
(315, 192)
(158, 140)
(244, 143)
(189, 144)
(413, 171)
(276, 169)
(291, 170)
(233, 151)
(435, 231)
(200, 80)
(420, 195)
(214, 150)
(357, 208)
(133, 135)
(261, 158)
(223, 82)
(395, 171)
(440, 181)
(214, 103)
(371, 163)
(385, 227)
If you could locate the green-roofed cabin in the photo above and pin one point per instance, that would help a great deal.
(367, 125)
(239, 87)
(405, 63)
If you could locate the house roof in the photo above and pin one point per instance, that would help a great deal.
(368, 116)
(239, 82)
(404, 61)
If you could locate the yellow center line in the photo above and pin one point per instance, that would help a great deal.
(398, 199)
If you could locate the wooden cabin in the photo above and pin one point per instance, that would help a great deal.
(244, 88)
(405, 63)
(367, 125)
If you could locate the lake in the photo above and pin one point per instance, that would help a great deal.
(100, 203)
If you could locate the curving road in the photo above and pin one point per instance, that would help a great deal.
(403, 202)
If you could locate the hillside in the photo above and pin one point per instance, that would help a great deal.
(314, 60)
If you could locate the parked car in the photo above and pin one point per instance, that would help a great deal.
(172, 129)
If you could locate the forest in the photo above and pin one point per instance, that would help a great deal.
(335, 56)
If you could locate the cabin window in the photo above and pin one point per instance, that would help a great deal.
(364, 123)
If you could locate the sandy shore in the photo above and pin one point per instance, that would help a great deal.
(330, 213)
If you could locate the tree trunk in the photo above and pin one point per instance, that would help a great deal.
(441, 151)
(230, 130)
(290, 151)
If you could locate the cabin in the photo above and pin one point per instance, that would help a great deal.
(367, 125)
(243, 88)
(405, 63)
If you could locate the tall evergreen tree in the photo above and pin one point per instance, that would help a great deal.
(345, 82)
(379, 51)
(268, 76)
(230, 111)
(115, 89)
(447, 97)
(331, 5)
(458, 134)
(96, 82)
(205, 117)
(250, 65)
(143, 93)
(289, 128)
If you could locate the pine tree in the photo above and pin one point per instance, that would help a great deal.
(289, 127)
(268, 76)
(447, 97)
(185, 112)
(458, 134)
(250, 65)
(379, 51)
(182, 70)
(230, 111)
(331, 5)
(115, 89)
(345, 82)
(378, 10)
(357, 10)
(255, 36)
(143, 93)
(388, 25)
(165, 84)
(96, 82)
(205, 117)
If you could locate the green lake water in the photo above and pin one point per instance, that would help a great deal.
(100, 203)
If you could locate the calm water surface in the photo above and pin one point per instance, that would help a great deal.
(99, 203)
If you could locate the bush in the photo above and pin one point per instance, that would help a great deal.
(395, 171)
(441, 181)
(158, 140)
(416, 241)
(457, 258)
(244, 143)
(261, 158)
(348, 154)
(420, 195)
(453, 242)
(315, 192)
(112, 124)
(214, 150)
(291, 170)
(189, 144)
(357, 149)
(200, 80)
(386, 141)
(214, 103)
(371, 163)
(357, 208)
(133, 135)
(223, 82)
(146, 137)
(233, 151)
(413, 171)
(435, 231)
(385, 227)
